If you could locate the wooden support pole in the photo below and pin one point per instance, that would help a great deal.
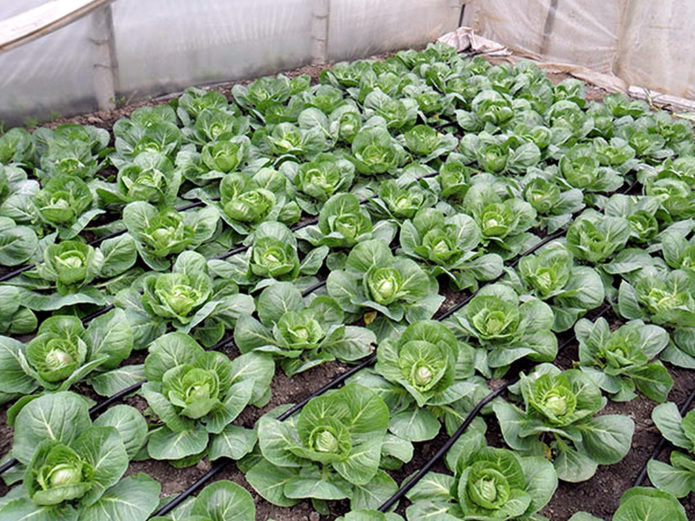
(319, 31)
(105, 74)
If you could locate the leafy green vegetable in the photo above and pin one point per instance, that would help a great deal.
(374, 280)
(331, 450)
(620, 361)
(197, 394)
(559, 418)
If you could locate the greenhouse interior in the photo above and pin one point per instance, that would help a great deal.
(347, 260)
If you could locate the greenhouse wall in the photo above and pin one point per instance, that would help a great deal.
(644, 42)
(162, 46)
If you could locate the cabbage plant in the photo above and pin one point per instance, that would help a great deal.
(318, 180)
(74, 150)
(640, 213)
(214, 503)
(581, 168)
(159, 234)
(558, 416)
(214, 125)
(675, 195)
(621, 361)
(508, 327)
(149, 176)
(375, 151)
(245, 201)
(300, 334)
(639, 502)
(71, 267)
(375, 281)
(503, 221)
(554, 204)
(594, 237)
(487, 483)
(63, 353)
(398, 113)
(65, 204)
(678, 476)
(451, 246)
(149, 129)
(402, 198)
(74, 467)
(344, 222)
(196, 395)
(272, 256)
(552, 275)
(330, 451)
(429, 377)
(16, 146)
(427, 144)
(186, 298)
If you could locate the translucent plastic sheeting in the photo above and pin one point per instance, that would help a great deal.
(643, 42)
(166, 45)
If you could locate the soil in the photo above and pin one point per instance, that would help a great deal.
(599, 495)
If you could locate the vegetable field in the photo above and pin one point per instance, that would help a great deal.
(425, 288)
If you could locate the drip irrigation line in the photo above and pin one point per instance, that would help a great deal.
(92, 412)
(444, 449)
(660, 445)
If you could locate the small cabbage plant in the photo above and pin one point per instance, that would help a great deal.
(375, 281)
(73, 467)
(558, 417)
(301, 334)
(450, 245)
(487, 484)
(594, 237)
(429, 376)
(245, 201)
(187, 298)
(222, 501)
(162, 233)
(552, 275)
(63, 352)
(639, 502)
(318, 180)
(620, 361)
(344, 222)
(678, 477)
(330, 451)
(503, 221)
(72, 267)
(508, 327)
(150, 177)
(197, 394)
(272, 256)
(65, 204)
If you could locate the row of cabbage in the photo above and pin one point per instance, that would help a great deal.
(458, 225)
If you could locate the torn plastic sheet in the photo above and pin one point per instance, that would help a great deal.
(466, 39)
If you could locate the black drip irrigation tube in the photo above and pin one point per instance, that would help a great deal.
(660, 445)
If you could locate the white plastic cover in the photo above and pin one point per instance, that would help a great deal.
(166, 45)
(643, 42)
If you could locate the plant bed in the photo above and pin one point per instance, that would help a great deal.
(489, 209)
